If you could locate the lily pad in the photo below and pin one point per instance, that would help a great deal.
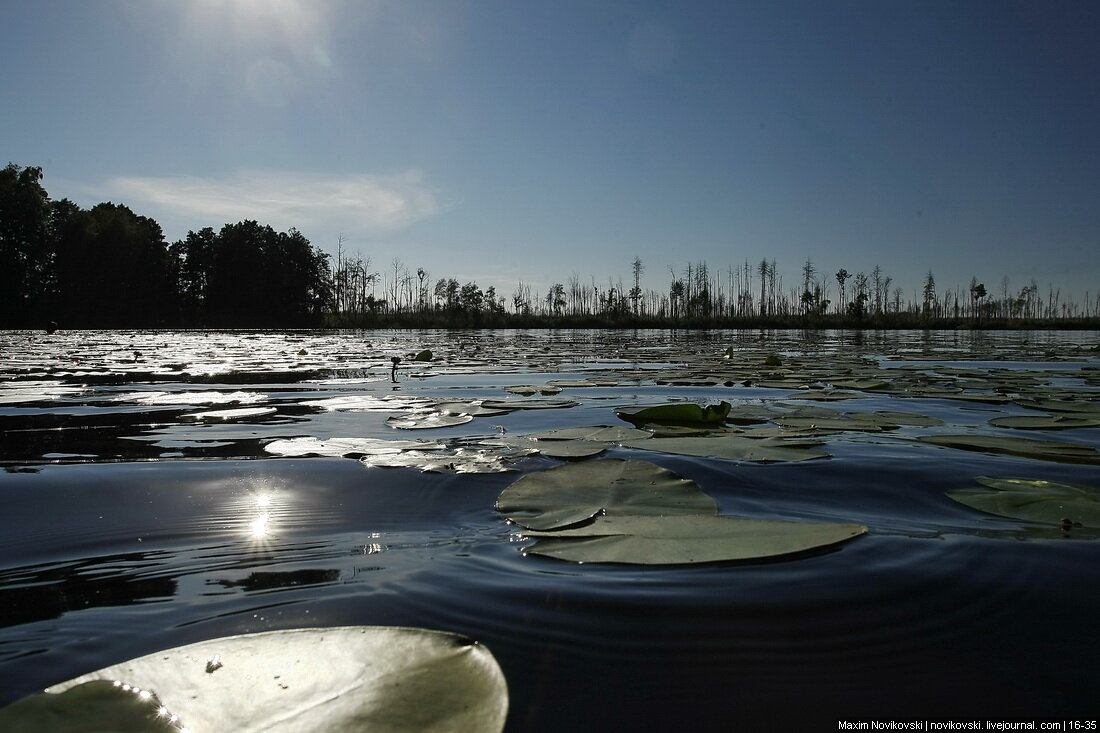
(474, 408)
(576, 492)
(733, 447)
(426, 421)
(648, 540)
(103, 704)
(678, 414)
(599, 433)
(460, 461)
(1034, 499)
(1047, 450)
(569, 449)
(293, 447)
(1045, 422)
(424, 355)
(338, 679)
(232, 414)
(533, 389)
(898, 418)
(529, 404)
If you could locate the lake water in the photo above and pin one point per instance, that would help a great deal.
(130, 521)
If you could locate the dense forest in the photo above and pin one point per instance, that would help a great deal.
(108, 267)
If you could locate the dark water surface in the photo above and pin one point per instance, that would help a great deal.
(128, 526)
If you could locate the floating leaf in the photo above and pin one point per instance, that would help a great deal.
(1034, 499)
(599, 433)
(474, 408)
(233, 414)
(528, 390)
(575, 492)
(733, 447)
(834, 423)
(1045, 422)
(99, 703)
(678, 414)
(532, 404)
(345, 446)
(460, 461)
(424, 355)
(898, 418)
(649, 540)
(345, 678)
(427, 420)
(552, 448)
(368, 403)
(1047, 450)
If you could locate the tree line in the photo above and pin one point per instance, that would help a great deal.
(107, 267)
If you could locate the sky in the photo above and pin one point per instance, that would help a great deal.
(499, 141)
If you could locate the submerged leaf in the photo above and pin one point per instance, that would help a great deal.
(575, 492)
(687, 539)
(346, 678)
(1053, 502)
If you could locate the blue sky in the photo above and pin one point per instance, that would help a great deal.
(505, 141)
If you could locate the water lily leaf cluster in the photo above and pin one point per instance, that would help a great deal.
(630, 511)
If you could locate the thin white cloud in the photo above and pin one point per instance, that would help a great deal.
(282, 199)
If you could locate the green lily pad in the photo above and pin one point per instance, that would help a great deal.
(529, 404)
(567, 449)
(239, 413)
(473, 407)
(834, 423)
(462, 460)
(1047, 450)
(99, 703)
(576, 492)
(347, 678)
(898, 418)
(1034, 499)
(648, 540)
(533, 389)
(1045, 422)
(426, 421)
(678, 414)
(1059, 405)
(733, 447)
(294, 447)
(598, 433)
(425, 355)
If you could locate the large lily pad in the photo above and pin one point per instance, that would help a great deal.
(339, 679)
(1047, 450)
(733, 447)
(678, 414)
(671, 540)
(576, 492)
(1037, 500)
